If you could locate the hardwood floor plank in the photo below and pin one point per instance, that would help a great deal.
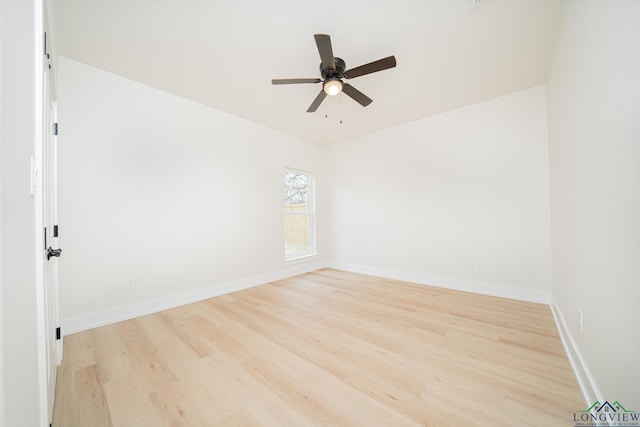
(324, 348)
(240, 418)
(255, 396)
(129, 404)
(91, 402)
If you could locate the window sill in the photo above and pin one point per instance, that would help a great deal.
(300, 258)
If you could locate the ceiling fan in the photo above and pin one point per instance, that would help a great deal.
(332, 70)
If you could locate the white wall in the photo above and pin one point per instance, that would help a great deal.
(20, 403)
(181, 198)
(594, 130)
(460, 199)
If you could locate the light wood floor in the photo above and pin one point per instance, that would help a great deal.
(324, 348)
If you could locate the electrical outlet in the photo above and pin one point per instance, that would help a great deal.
(130, 284)
(580, 319)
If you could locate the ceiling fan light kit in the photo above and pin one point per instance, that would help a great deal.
(332, 86)
(332, 70)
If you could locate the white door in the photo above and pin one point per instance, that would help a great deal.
(50, 222)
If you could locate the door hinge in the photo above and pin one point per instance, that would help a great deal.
(55, 230)
(58, 333)
(45, 238)
(55, 129)
(44, 42)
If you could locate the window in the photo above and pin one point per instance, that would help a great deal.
(299, 224)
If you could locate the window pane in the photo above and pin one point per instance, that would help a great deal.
(297, 214)
(296, 188)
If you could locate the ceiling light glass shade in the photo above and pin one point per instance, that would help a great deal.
(332, 87)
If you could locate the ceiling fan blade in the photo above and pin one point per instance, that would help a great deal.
(316, 102)
(323, 41)
(372, 67)
(358, 96)
(293, 81)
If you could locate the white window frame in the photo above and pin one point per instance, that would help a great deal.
(311, 214)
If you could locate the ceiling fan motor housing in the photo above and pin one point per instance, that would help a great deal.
(337, 73)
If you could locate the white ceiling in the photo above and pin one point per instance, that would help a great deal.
(225, 53)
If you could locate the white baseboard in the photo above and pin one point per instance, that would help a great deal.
(583, 375)
(511, 292)
(88, 321)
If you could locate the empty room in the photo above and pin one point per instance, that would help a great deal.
(293, 213)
